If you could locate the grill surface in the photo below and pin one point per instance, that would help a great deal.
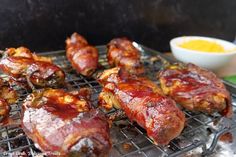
(128, 138)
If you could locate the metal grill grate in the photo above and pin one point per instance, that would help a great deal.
(128, 138)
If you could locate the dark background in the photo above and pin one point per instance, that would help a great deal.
(43, 25)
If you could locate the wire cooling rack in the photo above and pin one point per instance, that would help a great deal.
(128, 139)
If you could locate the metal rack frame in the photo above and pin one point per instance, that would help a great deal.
(128, 138)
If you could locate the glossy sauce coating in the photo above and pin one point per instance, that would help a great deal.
(7, 96)
(143, 102)
(43, 74)
(82, 56)
(4, 110)
(196, 89)
(62, 123)
(21, 64)
(122, 53)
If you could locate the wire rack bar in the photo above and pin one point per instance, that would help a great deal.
(128, 138)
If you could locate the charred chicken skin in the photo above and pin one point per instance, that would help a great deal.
(122, 53)
(7, 96)
(196, 89)
(82, 56)
(143, 102)
(26, 68)
(64, 124)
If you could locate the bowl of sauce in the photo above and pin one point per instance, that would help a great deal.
(210, 53)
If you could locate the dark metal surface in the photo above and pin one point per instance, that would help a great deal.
(128, 138)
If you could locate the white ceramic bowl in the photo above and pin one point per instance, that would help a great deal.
(209, 60)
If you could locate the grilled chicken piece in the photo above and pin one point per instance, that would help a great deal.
(4, 109)
(26, 53)
(122, 53)
(143, 102)
(64, 124)
(7, 96)
(44, 74)
(82, 56)
(196, 89)
(27, 69)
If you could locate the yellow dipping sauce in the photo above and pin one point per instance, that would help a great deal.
(203, 45)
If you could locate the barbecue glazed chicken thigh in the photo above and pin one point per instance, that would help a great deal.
(27, 69)
(82, 56)
(122, 53)
(64, 124)
(196, 89)
(142, 102)
(7, 96)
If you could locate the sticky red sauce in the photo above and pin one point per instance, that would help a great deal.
(189, 84)
(143, 102)
(63, 111)
(51, 119)
(83, 57)
(62, 104)
(122, 53)
(227, 137)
